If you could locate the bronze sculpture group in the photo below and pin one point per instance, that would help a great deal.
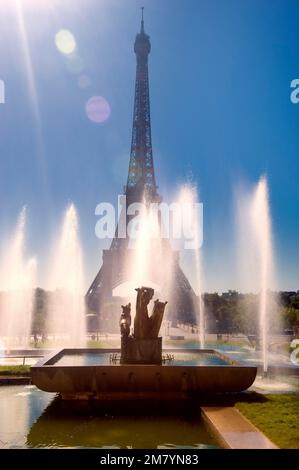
(145, 325)
(144, 345)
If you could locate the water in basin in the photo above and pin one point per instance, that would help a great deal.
(180, 359)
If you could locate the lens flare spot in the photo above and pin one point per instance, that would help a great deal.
(84, 81)
(65, 42)
(97, 109)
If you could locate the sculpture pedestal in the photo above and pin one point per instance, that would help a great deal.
(141, 351)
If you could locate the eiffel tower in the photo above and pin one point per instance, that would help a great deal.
(141, 185)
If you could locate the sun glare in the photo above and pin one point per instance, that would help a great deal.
(65, 42)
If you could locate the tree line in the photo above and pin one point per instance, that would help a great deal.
(228, 312)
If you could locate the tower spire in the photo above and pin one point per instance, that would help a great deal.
(141, 177)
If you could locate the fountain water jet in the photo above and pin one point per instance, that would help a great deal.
(149, 258)
(66, 310)
(256, 256)
(188, 200)
(261, 221)
(144, 244)
(17, 281)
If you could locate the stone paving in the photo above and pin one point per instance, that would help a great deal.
(234, 430)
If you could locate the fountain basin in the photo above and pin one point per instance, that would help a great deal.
(97, 374)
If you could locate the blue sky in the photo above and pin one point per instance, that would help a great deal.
(220, 74)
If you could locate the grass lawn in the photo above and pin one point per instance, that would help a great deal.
(14, 370)
(194, 343)
(277, 417)
(103, 342)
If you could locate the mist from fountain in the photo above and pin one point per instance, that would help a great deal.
(17, 282)
(66, 319)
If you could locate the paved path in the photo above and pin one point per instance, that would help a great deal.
(234, 430)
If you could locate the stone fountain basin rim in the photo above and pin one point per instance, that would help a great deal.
(50, 359)
(103, 381)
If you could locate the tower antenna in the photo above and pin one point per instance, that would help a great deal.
(142, 19)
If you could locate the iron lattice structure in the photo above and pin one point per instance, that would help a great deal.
(141, 185)
(141, 176)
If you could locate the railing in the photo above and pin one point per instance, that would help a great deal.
(22, 357)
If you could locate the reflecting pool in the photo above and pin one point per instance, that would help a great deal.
(32, 418)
